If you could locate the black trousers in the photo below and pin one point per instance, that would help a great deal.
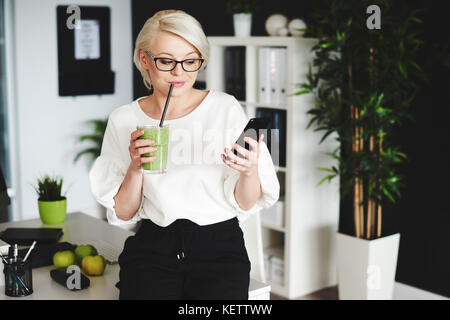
(185, 261)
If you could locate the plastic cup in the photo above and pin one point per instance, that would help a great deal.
(160, 135)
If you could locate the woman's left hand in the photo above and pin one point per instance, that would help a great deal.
(249, 165)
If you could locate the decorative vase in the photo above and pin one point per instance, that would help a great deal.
(276, 25)
(294, 25)
(52, 212)
(242, 24)
(366, 268)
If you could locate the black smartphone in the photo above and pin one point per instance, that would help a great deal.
(254, 128)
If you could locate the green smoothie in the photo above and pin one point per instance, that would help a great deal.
(160, 135)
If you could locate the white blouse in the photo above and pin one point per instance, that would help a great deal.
(197, 185)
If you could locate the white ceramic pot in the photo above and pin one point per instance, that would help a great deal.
(242, 24)
(366, 268)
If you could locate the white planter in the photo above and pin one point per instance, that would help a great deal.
(366, 268)
(242, 24)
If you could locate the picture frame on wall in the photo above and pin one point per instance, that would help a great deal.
(84, 50)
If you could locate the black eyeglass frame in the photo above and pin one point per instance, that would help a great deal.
(176, 62)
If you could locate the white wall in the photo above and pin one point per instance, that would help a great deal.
(47, 124)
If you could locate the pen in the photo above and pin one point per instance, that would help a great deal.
(16, 252)
(29, 251)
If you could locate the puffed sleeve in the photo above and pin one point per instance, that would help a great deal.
(107, 174)
(266, 171)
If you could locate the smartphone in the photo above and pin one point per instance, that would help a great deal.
(254, 128)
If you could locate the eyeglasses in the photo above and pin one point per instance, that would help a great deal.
(167, 64)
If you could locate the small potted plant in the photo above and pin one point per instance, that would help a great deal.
(242, 15)
(95, 137)
(52, 204)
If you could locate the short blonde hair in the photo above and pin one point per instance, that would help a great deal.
(177, 22)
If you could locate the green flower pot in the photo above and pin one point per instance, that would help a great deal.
(52, 212)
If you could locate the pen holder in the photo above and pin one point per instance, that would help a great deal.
(18, 278)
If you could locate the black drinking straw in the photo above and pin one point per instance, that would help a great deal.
(165, 107)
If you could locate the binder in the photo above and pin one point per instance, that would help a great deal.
(26, 236)
(273, 75)
(239, 73)
(235, 72)
(278, 76)
(264, 76)
(229, 71)
(276, 135)
(282, 83)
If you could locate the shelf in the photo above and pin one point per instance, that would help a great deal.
(310, 214)
(256, 104)
(263, 41)
(272, 226)
(280, 169)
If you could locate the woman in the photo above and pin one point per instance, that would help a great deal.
(189, 244)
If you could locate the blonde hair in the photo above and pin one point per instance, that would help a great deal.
(177, 22)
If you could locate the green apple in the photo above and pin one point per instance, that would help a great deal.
(63, 259)
(93, 265)
(84, 250)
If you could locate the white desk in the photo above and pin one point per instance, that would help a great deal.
(79, 228)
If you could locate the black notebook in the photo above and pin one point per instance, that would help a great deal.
(26, 236)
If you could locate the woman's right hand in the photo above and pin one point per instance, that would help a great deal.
(137, 148)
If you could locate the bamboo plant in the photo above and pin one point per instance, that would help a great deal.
(363, 82)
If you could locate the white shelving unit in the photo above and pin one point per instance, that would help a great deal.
(307, 238)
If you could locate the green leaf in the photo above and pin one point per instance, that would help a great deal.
(402, 69)
(326, 45)
(94, 152)
(392, 180)
(380, 98)
(328, 177)
(349, 22)
(415, 19)
(415, 65)
(401, 154)
(326, 135)
(326, 170)
(387, 194)
(302, 92)
(383, 111)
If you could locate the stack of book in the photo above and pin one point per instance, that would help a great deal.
(272, 75)
(235, 72)
(274, 264)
